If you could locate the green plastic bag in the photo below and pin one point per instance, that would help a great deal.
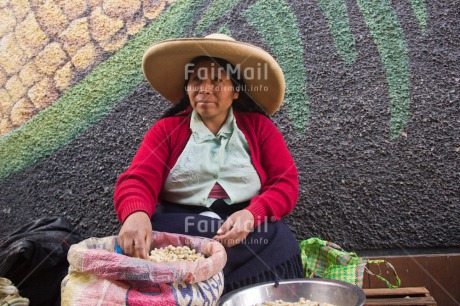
(328, 260)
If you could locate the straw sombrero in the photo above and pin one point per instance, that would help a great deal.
(164, 67)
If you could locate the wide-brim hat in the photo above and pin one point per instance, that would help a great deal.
(164, 65)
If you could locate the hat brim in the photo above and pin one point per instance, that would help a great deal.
(164, 64)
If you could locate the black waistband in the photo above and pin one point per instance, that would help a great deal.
(219, 206)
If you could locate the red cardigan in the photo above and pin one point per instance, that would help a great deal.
(139, 188)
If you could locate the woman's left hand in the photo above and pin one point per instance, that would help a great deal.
(236, 228)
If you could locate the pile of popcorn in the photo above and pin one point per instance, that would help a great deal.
(302, 301)
(172, 253)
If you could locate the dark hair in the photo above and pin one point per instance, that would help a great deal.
(243, 103)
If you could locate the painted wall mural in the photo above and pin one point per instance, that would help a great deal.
(371, 103)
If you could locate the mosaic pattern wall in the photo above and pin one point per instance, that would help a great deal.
(370, 114)
(47, 46)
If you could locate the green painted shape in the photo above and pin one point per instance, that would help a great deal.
(214, 12)
(224, 30)
(90, 100)
(277, 25)
(387, 34)
(337, 18)
(419, 8)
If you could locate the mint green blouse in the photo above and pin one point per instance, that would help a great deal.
(208, 159)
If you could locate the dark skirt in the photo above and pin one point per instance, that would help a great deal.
(269, 253)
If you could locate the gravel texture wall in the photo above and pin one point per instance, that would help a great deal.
(371, 112)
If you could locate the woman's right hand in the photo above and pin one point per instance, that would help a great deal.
(135, 237)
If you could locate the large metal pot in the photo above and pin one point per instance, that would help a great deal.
(317, 290)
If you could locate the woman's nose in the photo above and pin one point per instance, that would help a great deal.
(206, 86)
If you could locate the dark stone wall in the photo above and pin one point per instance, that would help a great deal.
(360, 187)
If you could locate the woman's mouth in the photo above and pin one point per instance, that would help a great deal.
(204, 102)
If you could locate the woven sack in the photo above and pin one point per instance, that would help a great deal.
(328, 260)
(98, 275)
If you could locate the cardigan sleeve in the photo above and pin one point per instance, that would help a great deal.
(138, 188)
(279, 192)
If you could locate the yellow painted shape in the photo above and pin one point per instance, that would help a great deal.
(43, 93)
(22, 111)
(8, 20)
(73, 8)
(76, 35)
(50, 16)
(121, 8)
(51, 58)
(15, 87)
(30, 36)
(11, 56)
(85, 57)
(102, 27)
(29, 74)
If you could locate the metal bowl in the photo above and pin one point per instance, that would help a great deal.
(315, 290)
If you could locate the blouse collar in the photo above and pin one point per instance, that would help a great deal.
(201, 133)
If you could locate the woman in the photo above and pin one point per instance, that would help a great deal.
(215, 164)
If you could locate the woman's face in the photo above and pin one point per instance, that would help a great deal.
(210, 91)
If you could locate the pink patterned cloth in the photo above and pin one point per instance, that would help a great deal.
(100, 276)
